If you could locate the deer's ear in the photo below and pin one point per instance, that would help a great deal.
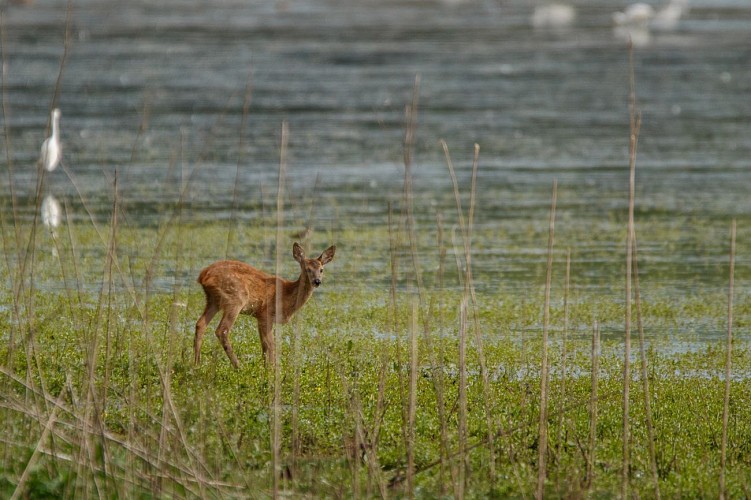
(328, 255)
(298, 253)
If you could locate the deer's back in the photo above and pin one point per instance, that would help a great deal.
(233, 282)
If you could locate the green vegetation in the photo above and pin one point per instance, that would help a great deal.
(421, 368)
(100, 395)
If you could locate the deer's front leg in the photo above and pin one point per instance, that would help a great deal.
(266, 332)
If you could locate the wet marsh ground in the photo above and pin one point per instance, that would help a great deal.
(414, 370)
(101, 396)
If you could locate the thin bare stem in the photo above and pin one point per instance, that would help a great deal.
(593, 398)
(399, 476)
(412, 411)
(394, 244)
(241, 147)
(544, 373)
(463, 450)
(634, 125)
(35, 455)
(276, 436)
(728, 366)
(469, 288)
(436, 360)
(564, 349)
(645, 376)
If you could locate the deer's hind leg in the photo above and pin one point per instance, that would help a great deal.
(222, 331)
(212, 307)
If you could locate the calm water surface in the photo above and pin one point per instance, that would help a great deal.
(155, 91)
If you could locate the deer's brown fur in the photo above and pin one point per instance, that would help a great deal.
(238, 288)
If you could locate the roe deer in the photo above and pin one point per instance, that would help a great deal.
(238, 288)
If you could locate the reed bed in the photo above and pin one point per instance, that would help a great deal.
(410, 377)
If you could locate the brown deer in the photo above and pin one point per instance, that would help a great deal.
(235, 287)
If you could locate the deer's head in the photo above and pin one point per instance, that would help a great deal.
(313, 268)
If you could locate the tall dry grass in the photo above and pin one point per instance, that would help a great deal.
(542, 455)
(728, 366)
(634, 127)
(645, 377)
(276, 439)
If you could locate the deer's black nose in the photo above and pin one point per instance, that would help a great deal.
(317, 282)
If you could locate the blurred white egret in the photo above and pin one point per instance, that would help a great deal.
(50, 212)
(633, 24)
(51, 148)
(51, 218)
(637, 15)
(553, 15)
(667, 18)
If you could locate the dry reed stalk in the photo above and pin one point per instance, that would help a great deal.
(172, 220)
(410, 128)
(469, 288)
(96, 395)
(412, 411)
(394, 244)
(357, 444)
(462, 420)
(8, 159)
(111, 257)
(380, 414)
(194, 462)
(73, 428)
(634, 127)
(276, 435)
(398, 477)
(129, 286)
(593, 399)
(407, 224)
(564, 350)
(728, 366)
(233, 450)
(365, 443)
(27, 259)
(67, 43)
(240, 148)
(296, 362)
(645, 376)
(436, 360)
(19, 490)
(16, 239)
(165, 371)
(544, 371)
(75, 258)
(408, 217)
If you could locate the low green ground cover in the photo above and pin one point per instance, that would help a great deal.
(100, 396)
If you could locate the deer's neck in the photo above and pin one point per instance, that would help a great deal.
(295, 294)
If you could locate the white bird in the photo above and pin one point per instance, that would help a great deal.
(51, 148)
(553, 15)
(51, 218)
(636, 15)
(667, 18)
(50, 212)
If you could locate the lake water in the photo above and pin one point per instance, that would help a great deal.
(155, 91)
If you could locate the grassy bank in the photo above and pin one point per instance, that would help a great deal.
(100, 395)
